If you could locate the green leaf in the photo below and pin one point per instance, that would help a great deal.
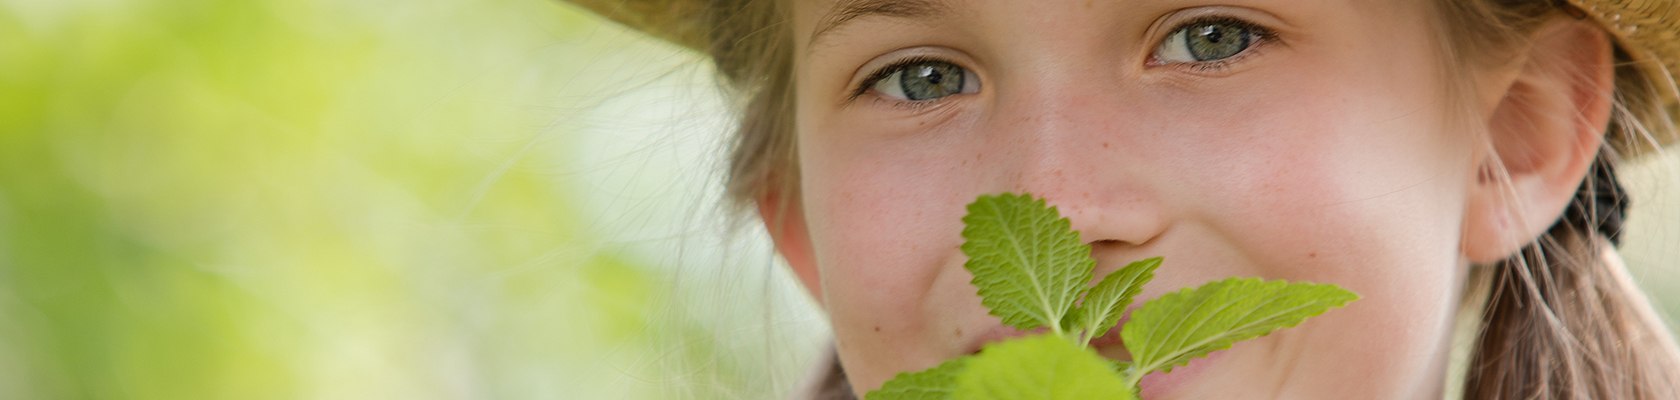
(1046, 367)
(1175, 328)
(1106, 302)
(1121, 367)
(1028, 263)
(935, 383)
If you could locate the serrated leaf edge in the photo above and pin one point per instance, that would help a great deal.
(1052, 315)
(1140, 273)
(894, 388)
(1342, 298)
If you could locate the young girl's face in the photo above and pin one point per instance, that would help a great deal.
(1298, 140)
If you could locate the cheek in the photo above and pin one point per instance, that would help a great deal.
(1342, 186)
(1358, 173)
(883, 211)
(1334, 178)
(869, 227)
(1353, 162)
(885, 226)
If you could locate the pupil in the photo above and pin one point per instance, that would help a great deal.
(1212, 34)
(927, 81)
(1217, 41)
(932, 75)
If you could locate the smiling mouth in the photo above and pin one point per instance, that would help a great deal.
(1110, 345)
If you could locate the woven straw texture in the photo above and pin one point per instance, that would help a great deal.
(677, 21)
(1650, 29)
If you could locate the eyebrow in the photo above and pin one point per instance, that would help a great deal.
(849, 10)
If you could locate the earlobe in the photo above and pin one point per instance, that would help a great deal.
(784, 219)
(1542, 136)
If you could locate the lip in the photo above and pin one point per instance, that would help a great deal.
(1158, 386)
(1151, 386)
(1112, 337)
(1001, 333)
(998, 334)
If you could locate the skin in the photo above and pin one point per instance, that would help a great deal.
(1325, 155)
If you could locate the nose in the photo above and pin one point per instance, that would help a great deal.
(1072, 145)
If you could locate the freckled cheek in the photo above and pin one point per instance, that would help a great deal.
(1337, 199)
(883, 224)
(1331, 177)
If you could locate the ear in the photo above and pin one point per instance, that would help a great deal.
(1543, 135)
(784, 219)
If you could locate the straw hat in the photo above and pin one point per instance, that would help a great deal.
(1649, 30)
(677, 21)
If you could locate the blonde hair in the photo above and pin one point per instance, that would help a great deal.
(1563, 319)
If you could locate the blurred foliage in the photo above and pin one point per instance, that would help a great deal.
(256, 199)
(305, 199)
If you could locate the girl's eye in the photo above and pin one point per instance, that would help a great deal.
(922, 80)
(1208, 40)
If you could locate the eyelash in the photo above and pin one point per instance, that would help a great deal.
(1263, 37)
(868, 82)
(910, 106)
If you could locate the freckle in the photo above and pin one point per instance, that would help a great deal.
(877, 328)
(1105, 145)
(1312, 254)
(958, 333)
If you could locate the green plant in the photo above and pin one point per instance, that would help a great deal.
(1032, 271)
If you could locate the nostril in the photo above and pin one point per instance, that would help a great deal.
(1109, 224)
(1105, 243)
(1104, 246)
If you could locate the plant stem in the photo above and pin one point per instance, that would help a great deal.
(1133, 376)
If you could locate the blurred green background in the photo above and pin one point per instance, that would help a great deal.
(213, 199)
(254, 199)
